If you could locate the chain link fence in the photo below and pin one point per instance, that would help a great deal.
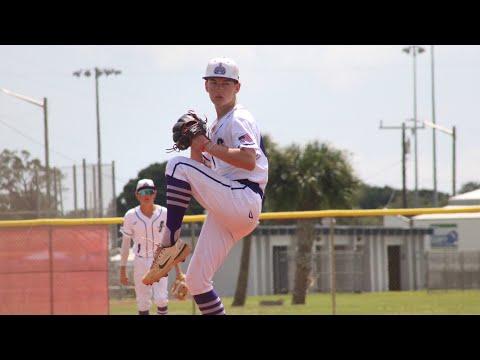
(348, 271)
(74, 193)
(450, 269)
(78, 192)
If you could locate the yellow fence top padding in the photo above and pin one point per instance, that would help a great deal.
(264, 216)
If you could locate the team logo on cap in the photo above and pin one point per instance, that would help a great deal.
(220, 70)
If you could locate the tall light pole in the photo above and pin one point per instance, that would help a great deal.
(434, 130)
(414, 50)
(98, 72)
(44, 106)
(453, 134)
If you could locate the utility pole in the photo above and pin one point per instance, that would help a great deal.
(414, 50)
(405, 151)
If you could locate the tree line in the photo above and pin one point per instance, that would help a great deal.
(23, 186)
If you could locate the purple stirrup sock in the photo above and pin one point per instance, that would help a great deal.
(162, 310)
(209, 303)
(179, 194)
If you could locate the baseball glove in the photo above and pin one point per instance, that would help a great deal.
(185, 129)
(179, 288)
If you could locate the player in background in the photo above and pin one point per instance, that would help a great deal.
(227, 174)
(144, 225)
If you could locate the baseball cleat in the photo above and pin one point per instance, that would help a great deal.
(165, 259)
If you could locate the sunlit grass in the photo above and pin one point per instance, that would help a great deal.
(378, 303)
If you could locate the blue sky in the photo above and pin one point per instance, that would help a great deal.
(335, 94)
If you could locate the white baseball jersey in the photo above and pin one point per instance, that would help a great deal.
(144, 231)
(229, 194)
(238, 129)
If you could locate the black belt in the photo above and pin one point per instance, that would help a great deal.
(252, 185)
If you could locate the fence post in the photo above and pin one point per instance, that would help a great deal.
(94, 181)
(75, 188)
(333, 285)
(84, 166)
(37, 193)
(415, 262)
(462, 269)
(55, 190)
(60, 192)
(114, 206)
(478, 269)
(427, 272)
(445, 274)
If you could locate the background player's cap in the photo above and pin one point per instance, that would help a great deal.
(222, 67)
(145, 184)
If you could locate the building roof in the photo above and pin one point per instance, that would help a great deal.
(456, 216)
(469, 198)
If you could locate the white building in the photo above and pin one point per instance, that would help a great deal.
(454, 231)
(367, 259)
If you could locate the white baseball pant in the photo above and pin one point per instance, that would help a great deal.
(143, 292)
(233, 210)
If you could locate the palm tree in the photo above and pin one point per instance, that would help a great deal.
(316, 177)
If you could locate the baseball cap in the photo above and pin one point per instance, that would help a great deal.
(222, 67)
(145, 184)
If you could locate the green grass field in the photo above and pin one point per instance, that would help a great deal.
(438, 302)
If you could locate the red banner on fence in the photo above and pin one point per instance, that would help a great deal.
(54, 270)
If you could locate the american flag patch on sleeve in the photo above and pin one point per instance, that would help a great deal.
(246, 139)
